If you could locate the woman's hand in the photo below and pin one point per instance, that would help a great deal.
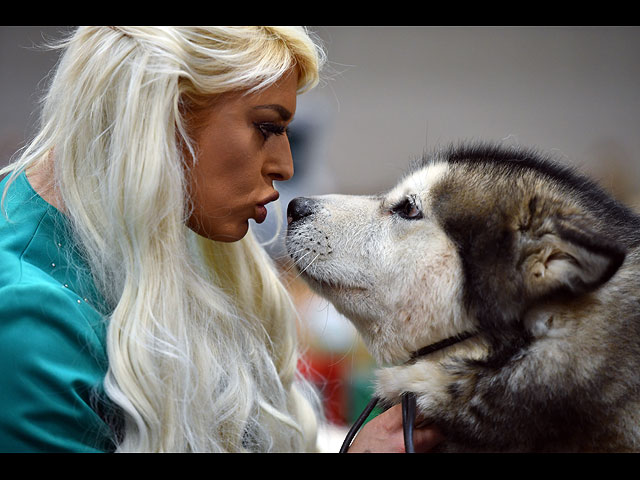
(384, 434)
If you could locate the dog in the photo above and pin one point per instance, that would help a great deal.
(530, 267)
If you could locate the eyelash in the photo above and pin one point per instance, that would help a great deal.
(268, 129)
(403, 209)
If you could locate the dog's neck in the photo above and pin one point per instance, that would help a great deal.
(434, 347)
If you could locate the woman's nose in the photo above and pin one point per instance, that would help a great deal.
(280, 165)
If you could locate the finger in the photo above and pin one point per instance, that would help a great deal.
(426, 438)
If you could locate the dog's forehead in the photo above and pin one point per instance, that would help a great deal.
(419, 182)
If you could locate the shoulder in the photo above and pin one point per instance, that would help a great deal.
(47, 307)
(52, 364)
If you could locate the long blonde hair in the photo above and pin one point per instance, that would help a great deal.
(201, 335)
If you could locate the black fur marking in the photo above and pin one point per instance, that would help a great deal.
(455, 390)
(597, 200)
(493, 288)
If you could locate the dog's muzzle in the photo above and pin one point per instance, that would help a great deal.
(300, 208)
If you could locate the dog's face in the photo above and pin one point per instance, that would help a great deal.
(384, 262)
(460, 244)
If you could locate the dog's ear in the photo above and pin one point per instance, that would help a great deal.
(571, 258)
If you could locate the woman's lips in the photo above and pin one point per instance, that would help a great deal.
(261, 210)
(261, 213)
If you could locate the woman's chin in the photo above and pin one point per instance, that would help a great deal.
(218, 233)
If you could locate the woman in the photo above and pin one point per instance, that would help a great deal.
(138, 311)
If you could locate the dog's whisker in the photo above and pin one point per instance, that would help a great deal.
(297, 262)
(310, 263)
(301, 249)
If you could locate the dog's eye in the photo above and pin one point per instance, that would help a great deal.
(407, 209)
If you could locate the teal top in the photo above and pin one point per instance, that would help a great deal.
(52, 335)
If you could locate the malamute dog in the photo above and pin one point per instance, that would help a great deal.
(534, 268)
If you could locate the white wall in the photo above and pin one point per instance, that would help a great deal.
(394, 90)
(389, 92)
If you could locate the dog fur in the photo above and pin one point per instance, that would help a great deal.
(533, 258)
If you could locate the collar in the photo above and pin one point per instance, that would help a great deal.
(442, 344)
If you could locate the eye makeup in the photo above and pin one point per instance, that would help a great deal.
(267, 129)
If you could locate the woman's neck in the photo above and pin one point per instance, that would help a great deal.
(42, 180)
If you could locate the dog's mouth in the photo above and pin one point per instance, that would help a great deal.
(342, 287)
(331, 285)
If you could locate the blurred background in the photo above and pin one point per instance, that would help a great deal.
(388, 95)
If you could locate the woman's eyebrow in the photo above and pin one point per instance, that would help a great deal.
(283, 112)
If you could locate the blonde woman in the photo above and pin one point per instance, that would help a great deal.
(137, 311)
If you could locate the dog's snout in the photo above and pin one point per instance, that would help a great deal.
(299, 208)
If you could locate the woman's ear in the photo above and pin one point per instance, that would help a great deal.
(571, 258)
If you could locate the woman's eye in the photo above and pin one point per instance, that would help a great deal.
(267, 129)
(408, 210)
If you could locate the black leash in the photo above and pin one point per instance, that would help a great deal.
(408, 420)
(408, 399)
(358, 424)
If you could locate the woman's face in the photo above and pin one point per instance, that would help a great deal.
(242, 148)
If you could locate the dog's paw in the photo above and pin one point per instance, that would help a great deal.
(428, 380)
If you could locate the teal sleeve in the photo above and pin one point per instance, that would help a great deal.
(52, 363)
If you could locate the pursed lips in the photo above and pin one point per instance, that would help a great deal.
(261, 210)
(271, 198)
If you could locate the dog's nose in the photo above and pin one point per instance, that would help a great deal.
(298, 208)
